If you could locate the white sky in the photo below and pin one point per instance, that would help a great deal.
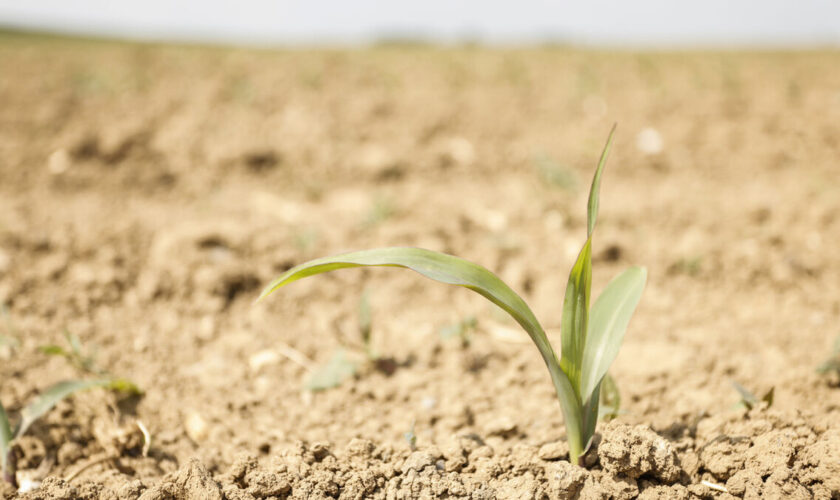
(780, 23)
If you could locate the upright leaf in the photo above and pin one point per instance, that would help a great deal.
(590, 417)
(575, 321)
(50, 397)
(594, 190)
(5, 438)
(608, 322)
(573, 324)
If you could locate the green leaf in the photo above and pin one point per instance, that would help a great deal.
(434, 265)
(749, 400)
(50, 397)
(610, 399)
(573, 325)
(53, 350)
(608, 322)
(5, 438)
(592, 205)
(590, 417)
(333, 373)
(124, 385)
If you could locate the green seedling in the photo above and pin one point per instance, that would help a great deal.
(590, 339)
(343, 365)
(84, 360)
(555, 174)
(461, 330)
(411, 437)
(750, 400)
(381, 210)
(35, 410)
(687, 265)
(832, 364)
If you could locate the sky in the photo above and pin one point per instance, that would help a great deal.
(641, 23)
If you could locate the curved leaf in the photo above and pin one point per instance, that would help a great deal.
(50, 397)
(434, 265)
(608, 321)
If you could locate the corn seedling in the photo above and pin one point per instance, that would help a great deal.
(590, 339)
(750, 400)
(411, 437)
(461, 330)
(35, 410)
(84, 360)
(554, 174)
(343, 365)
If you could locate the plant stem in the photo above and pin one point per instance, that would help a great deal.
(572, 410)
(575, 452)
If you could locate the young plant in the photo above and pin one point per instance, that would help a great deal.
(590, 337)
(342, 366)
(31, 413)
(84, 360)
(750, 400)
(461, 330)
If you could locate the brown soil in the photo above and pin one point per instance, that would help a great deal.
(148, 192)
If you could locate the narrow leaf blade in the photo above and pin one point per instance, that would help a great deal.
(433, 265)
(5, 438)
(573, 325)
(591, 410)
(50, 397)
(608, 322)
(592, 205)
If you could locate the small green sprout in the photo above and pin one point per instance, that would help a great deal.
(591, 334)
(461, 330)
(555, 174)
(832, 364)
(750, 400)
(411, 437)
(342, 366)
(35, 410)
(84, 360)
